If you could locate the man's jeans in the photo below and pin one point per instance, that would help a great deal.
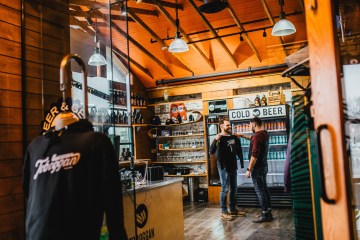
(259, 179)
(228, 180)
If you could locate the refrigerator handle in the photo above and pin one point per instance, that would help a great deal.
(321, 176)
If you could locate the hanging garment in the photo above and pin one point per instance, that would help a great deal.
(70, 179)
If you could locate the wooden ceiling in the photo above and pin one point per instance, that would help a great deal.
(213, 39)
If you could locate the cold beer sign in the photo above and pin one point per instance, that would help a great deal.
(261, 112)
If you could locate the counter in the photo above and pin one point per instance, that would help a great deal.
(159, 211)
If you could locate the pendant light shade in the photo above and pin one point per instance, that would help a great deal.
(178, 45)
(97, 59)
(283, 27)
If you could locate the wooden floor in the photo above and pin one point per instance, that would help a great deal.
(202, 222)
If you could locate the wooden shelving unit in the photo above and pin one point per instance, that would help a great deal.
(182, 149)
(138, 107)
(175, 163)
(110, 124)
(139, 125)
(180, 136)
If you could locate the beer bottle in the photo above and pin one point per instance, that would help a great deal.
(263, 101)
(257, 101)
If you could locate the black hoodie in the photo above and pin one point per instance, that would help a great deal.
(70, 179)
(228, 150)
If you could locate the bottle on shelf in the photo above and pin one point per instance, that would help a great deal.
(119, 117)
(125, 118)
(132, 99)
(263, 101)
(123, 155)
(140, 119)
(257, 101)
(127, 154)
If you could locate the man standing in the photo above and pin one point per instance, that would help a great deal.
(258, 167)
(228, 149)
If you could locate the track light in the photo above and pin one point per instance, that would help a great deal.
(264, 33)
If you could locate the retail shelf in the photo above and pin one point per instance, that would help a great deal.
(192, 162)
(174, 125)
(138, 107)
(139, 125)
(181, 136)
(188, 175)
(117, 106)
(182, 149)
(183, 101)
(110, 124)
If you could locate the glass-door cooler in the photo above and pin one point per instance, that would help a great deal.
(275, 122)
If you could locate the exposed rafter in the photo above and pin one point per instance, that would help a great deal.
(152, 33)
(245, 35)
(143, 49)
(188, 39)
(301, 4)
(213, 31)
(268, 13)
(136, 10)
(122, 55)
(165, 4)
(87, 3)
(98, 14)
(83, 25)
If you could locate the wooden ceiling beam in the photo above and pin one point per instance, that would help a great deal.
(88, 4)
(268, 13)
(83, 25)
(120, 54)
(143, 49)
(188, 39)
(135, 10)
(162, 42)
(165, 4)
(242, 29)
(97, 14)
(213, 31)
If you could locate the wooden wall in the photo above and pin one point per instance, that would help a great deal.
(46, 42)
(11, 197)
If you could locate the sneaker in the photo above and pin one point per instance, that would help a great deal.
(270, 215)
(238, 213)
(264, 217)
(226, 216)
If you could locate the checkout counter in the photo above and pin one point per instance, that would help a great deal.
(159, 210)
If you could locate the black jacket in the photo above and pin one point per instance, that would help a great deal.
(69, 180)
(228, 150)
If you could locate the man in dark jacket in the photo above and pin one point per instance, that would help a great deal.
(258, 167)
(228, 149)
(71, 179)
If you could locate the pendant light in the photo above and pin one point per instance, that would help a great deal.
(178, 45)
(96, 59)
(283, 27)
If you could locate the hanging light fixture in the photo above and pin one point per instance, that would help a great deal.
(241, 38)
(123, 10)
(178, 45)
(96, 59)
(264, 33)
(283, 27)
